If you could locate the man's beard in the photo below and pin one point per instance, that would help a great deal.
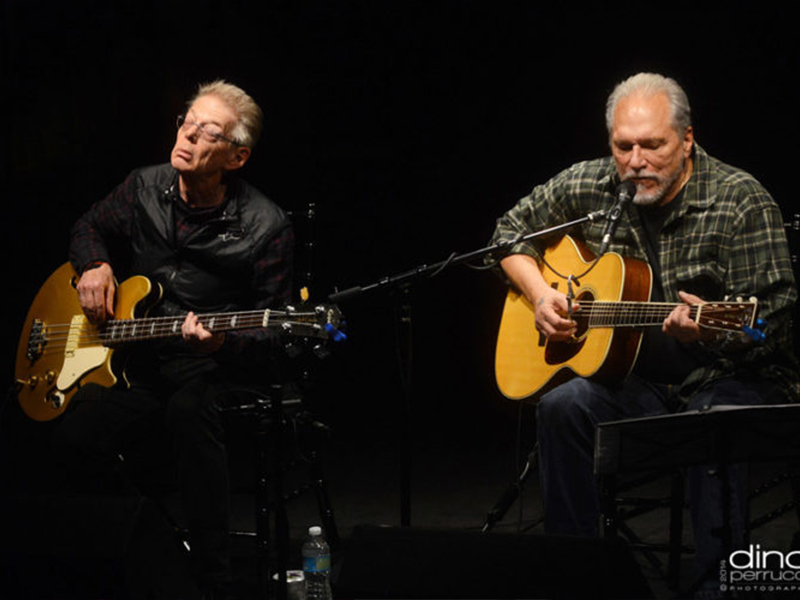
(646, 196)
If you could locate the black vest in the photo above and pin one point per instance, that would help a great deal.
(211, 270)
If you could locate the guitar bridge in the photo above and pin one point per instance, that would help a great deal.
(36, 340)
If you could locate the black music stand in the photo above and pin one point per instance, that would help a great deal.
(720, 436)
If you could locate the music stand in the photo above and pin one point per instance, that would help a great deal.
(720, 436)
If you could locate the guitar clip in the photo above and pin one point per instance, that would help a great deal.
(571, 294)
(336, 334)
(756, 333)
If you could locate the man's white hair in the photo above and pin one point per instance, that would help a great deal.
(249, 118)
(649, 84)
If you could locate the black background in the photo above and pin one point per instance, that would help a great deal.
(410, 125)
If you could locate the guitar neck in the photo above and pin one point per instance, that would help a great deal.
(626, 314)
(719, 315)
(154, 328)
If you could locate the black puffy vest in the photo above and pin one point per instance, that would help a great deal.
(212, 270)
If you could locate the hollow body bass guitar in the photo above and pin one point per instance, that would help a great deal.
(60, 350)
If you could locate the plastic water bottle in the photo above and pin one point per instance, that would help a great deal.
(317, 565)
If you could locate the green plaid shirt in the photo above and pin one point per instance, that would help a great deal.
(726, 240)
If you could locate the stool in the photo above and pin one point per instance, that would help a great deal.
(270, 411)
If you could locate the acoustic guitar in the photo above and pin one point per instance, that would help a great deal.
(60, 350)
(614, 308)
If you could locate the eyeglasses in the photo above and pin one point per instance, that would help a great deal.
(209, 132)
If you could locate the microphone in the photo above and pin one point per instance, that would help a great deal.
(625, 193)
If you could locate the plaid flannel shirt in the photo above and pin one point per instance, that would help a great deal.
(726, 240)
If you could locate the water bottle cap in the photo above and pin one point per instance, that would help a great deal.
(315, 530)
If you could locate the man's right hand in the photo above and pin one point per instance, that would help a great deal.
(96, 290)
(550, 306)
(552, 320)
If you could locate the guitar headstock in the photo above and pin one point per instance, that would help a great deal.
(323, 321)
(732, 316)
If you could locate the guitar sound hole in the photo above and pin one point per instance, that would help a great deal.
(581, 317)
(557, 353)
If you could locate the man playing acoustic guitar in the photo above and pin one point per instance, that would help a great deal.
(209, 242)
(708, 232)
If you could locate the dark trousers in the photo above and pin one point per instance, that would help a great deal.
(566, 420)
(182, 398)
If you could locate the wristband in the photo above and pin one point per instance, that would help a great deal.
(93, 265)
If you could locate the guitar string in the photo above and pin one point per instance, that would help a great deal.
(604, 313)
(155, 327)
(597, 312)
(650, 306)
(161, 327)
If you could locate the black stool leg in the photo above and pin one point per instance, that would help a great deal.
(675, 531)
(269, 466)
(323, 501)
(262, 498)
(281, 518)
(608, 503)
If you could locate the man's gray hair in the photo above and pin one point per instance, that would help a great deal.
(249, 118)
(650, 84)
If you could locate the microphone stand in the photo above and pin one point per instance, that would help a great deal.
(396, 281)
(403, 282)
(511, 494)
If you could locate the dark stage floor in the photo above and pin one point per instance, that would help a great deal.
(454, 483)
(453, 486)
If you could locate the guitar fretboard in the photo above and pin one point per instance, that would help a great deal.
(718, 315)
(151, 328)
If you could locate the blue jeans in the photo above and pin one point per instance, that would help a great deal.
(566, 418)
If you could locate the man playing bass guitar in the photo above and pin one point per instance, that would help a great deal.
(210, 242)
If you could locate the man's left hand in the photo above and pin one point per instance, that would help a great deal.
(681, 326)
(200, 338)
